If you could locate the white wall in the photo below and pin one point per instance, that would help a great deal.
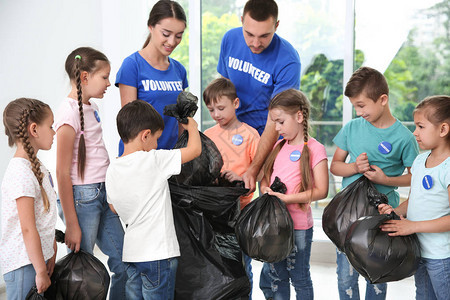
(37, 36)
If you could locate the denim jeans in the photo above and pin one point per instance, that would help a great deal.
(248, 270)
(19, 282)
(348, 281)
(294, 268)
(433, 279)
(99, 225)
(152, 280)
(265, 282)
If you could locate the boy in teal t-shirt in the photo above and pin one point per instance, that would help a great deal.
(380, 148)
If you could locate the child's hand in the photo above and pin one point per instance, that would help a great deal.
(398, 227)
(385, 209)
(276, 194)
(231, 176)
(362, 163)
(42, 281)
(192, 124)
(73, 238)
(376, 175)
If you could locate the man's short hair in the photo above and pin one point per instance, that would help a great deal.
(261, 10)
(218, 88)
(136, 116)
(369, 81)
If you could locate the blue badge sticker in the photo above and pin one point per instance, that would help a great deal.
(385, 147)
(427, 182)
(295, 155)
(51, 180)
(237, 139)
(97, 116)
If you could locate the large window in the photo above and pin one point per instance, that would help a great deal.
(406, 40)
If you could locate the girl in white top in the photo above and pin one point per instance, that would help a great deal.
(27, 247)
(427, 210)
(81, 164)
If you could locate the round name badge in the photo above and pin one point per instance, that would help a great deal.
(295, 155)
(97, 116)
(385, 147)
(427, 182)
(237, 139)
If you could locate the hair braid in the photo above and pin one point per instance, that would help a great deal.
(81, 144)
(305, 170)
(35, 163)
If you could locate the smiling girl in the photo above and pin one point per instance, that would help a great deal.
(81, 164)
(150, 74)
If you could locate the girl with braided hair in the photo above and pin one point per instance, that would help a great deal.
(81, 164)
(300, 162)
(27, 247)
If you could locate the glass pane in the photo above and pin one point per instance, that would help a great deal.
(181, 52)
(316, 30)
(410, 44)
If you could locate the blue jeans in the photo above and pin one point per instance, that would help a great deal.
(152, 280)
(19, 282)
(248, 270)
(265, 283)
(99, 225)
(433, 279)
(348, 281)
(294, 268)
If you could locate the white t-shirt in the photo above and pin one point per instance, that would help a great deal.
(20, 181)
(137, 187)
(97, 159)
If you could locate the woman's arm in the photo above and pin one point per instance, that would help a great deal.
(64, 151)
(318, 192)
(25, 209)
(127, 93)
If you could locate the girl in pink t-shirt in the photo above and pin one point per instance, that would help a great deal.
(81, 164)
(301, 163)
(27, 247)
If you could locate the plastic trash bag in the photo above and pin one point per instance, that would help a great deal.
(186, 106)
(264, 229)
(33, 295)
(358, 199)
(78, 276)
(377, 256)
(202, 170)
(211, 264)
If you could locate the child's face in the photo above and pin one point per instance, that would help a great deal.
(44, 133)
(223, 111)
(367, 108)
(151, 142)
(426, 133)
(98, 81)
(288, 125)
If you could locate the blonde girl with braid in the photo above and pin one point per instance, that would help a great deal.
(81, 164)
(27, 246)
(300, 162)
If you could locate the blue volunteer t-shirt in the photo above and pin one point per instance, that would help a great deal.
(258, 77)
(159, 88)
(392, 149)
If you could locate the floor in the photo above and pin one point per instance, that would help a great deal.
(323, 273)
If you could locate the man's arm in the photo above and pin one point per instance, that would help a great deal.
(268, 139)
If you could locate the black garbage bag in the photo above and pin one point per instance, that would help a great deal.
(186, 106)
(358, 199)
(264, 229)
(377, 256)
(202, 170)
(78, 276)
(33, 295)
(211, 264)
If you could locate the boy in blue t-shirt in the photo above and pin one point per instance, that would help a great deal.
(380, 148)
